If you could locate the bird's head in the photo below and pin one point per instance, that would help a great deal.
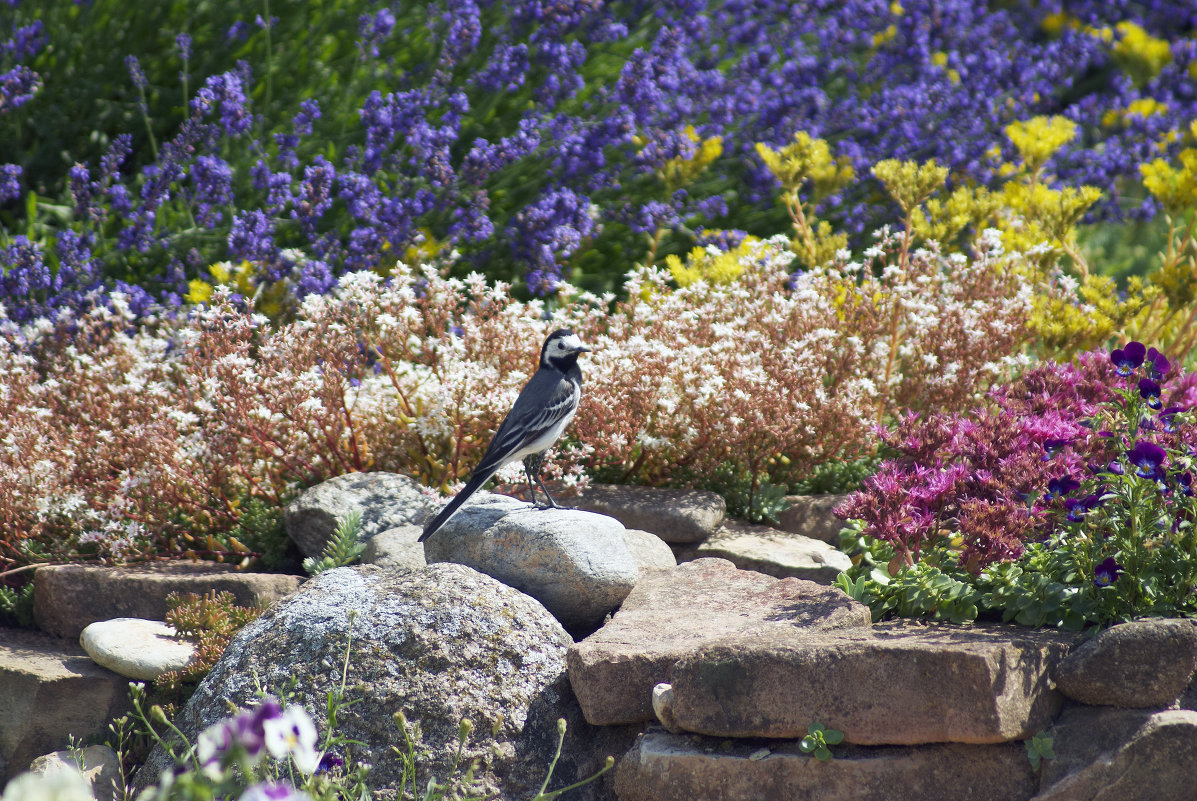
(561, 349)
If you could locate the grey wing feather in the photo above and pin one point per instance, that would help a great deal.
(542, 404)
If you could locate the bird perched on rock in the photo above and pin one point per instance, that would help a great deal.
(540, 414)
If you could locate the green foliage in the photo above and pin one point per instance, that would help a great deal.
(209, 621)
(343, 549)
(16, 606)
(836, 477)
(1039, 748)
(752, 498)
(818, 741)
(260, 529)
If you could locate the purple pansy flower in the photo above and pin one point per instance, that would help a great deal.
(1159, 364)
(1107, 572)
(1127, 359)
(1148, 459)
(1061, 486)
(1150, 392)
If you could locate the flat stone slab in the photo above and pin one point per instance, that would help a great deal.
(66, 598)
(1142, 664)
(674, 515)
(671, 614)
(897, 684)
(669, 766)
(50, 689)
(775, 553)
(135, 648)
(575, 563)
(813, 516)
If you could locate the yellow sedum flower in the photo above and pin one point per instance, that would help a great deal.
(1175, 189)
(909, 182)
(1143, 107)
(1038, 138)
(680, 172)
(711, 264)
(198, 291)
(807, 159)
(1141, 55)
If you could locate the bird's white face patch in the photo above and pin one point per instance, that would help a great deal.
(567, 344)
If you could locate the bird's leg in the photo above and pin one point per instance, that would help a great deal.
(532, 465)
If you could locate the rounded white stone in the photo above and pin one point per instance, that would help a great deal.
(135, 648)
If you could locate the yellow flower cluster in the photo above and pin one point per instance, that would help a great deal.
(712, 265)
(1140, 54)
(807, 162)
(273, 300)
(1143, 107)
(679, 172)
(1175, 189)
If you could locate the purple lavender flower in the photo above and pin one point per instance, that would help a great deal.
(1148, 459)
(1127, 360)
(213, 179)
(252, 237)
(10, 182)
(17, 87)
(183, 42)
(1106, 572)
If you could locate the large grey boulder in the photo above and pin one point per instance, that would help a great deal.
(441, 643)
(1107, 754)
(775, 553)
(49, 691)
(899, 684)
(384, 500)
(575, 563)
(668, 766)
(135, 648)
(1145, 663)
(674, 515)
(671, 614)
(66, 598)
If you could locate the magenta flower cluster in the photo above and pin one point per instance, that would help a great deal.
(1013, 473)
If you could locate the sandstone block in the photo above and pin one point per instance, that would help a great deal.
(50, 690)
(1106, 754)
(898, 684)
(1145, 663)
(66, 598)
(669, 766)
(670, 614)
(813, 516)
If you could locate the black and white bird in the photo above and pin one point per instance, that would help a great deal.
(537, 419)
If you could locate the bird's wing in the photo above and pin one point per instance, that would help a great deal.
(542, 404)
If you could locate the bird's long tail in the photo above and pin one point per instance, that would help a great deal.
(473, 485)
